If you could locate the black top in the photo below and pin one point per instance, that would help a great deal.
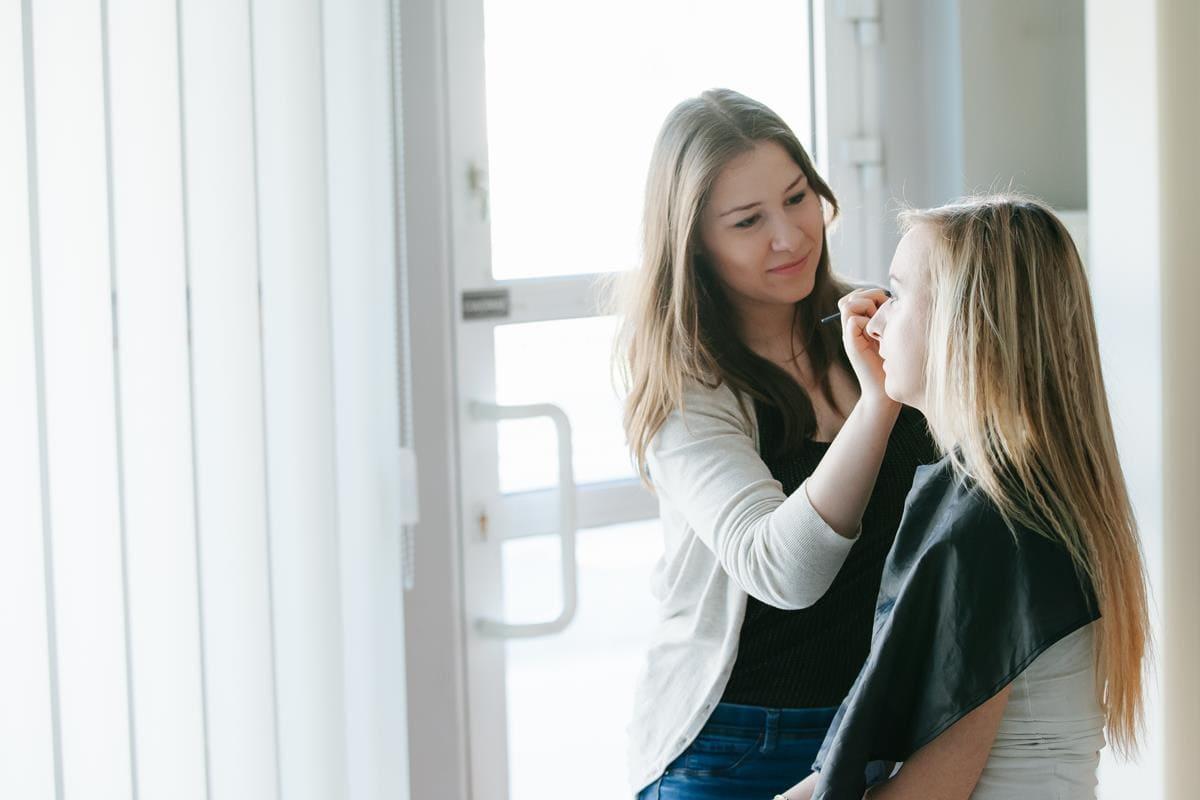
(966, 604)
(809, 658)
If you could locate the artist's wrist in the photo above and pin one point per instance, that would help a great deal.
(877, 406)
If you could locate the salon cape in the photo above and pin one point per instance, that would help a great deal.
(965, 605)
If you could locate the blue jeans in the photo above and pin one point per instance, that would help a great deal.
(746, 752)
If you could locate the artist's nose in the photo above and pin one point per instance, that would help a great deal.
(786, 235)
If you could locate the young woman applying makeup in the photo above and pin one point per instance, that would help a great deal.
(779, 462)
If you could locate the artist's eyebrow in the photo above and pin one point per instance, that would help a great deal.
(749, 206)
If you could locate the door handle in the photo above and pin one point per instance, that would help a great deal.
(477, 182)
(566, 519)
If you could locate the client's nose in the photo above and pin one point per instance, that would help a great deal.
(877, 323)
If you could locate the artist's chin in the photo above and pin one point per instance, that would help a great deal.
(804, 287)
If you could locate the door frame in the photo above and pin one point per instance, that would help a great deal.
(436, 685)
(846, 55)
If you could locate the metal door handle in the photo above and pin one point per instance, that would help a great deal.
(566, 519)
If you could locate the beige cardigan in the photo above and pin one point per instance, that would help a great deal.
(729, 531)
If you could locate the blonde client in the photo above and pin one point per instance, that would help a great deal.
(1011, 627)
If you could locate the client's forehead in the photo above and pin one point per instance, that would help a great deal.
(909, 256)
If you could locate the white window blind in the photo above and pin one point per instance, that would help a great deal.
(200, 562)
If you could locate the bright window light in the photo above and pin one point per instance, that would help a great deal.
(576, 94)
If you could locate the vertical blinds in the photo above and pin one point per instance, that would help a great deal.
(199, 557)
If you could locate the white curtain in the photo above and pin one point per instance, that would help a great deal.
(200, 562)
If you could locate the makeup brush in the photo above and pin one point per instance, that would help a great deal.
(838, 315)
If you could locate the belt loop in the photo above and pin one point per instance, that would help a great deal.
(771, 732)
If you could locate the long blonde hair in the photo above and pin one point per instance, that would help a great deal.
(1015, 395)
(678, 324)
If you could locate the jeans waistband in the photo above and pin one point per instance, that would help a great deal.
(758, 718)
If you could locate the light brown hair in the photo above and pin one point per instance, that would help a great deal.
(678, 324)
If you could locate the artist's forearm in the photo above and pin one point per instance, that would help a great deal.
(841, 485)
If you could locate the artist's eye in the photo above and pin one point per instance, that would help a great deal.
(797, 198)
(747, 222)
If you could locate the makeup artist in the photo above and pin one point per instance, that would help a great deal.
(780, 464)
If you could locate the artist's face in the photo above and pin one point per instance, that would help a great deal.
(901, 324)
(762, 228)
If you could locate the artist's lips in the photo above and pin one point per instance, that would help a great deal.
(789, 269)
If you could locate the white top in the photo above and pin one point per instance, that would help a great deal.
(1048, 744)
(729, 531)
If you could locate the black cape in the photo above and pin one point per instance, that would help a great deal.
(965, 605)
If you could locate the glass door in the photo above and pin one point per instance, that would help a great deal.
(553, 110)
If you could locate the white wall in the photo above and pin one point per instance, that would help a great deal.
(1123, 163)
(978, 93)
(1143, 122)
(1179, 207)
(1023, 98)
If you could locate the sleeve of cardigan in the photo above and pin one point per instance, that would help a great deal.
(777, 548)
